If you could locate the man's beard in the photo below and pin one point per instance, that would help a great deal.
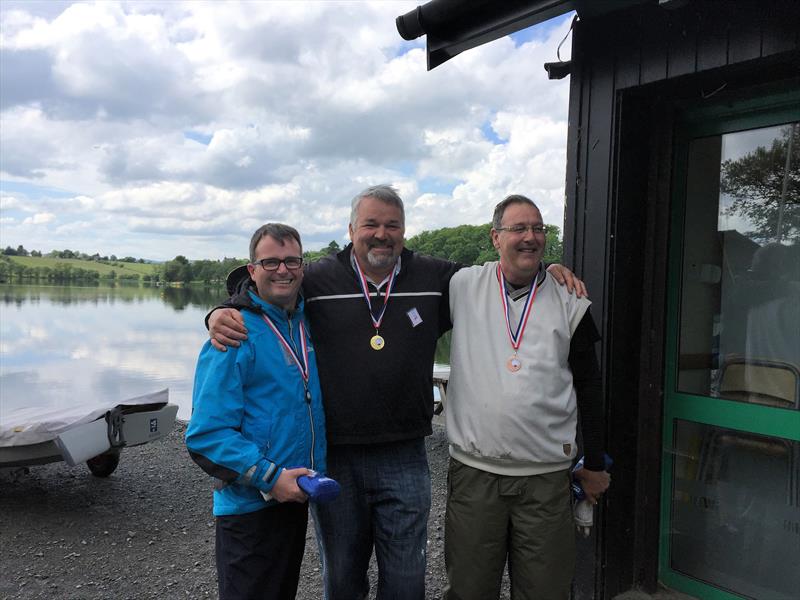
(381, 260)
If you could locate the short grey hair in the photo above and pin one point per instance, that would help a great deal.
(383, 192)
(501, 207)
(277, 231)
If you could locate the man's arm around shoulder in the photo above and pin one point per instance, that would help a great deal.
(224, 322)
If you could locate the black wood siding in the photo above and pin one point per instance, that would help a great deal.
(653, 44)
(633, 72)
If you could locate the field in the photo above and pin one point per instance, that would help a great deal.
(104, 269)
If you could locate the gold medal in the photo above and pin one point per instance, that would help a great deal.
(376, 342)
(513, 364)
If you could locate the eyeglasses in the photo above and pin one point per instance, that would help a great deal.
(272, 264)
(519, 229)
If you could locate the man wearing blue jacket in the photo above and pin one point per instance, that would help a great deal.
(257, 425)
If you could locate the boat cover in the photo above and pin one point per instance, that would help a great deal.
(37, 424)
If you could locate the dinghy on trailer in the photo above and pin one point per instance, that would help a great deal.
(94, 433)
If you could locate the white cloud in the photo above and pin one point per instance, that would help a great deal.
(303, 105)
(40, 219)
(8, 202)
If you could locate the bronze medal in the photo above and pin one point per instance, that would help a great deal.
(514, 364)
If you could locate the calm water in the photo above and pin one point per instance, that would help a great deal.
(61, 345)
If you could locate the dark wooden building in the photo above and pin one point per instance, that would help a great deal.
(683, 217)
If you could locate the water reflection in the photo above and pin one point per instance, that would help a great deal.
(67, 344)
(177, 298)
(180, 298)
(60, 345)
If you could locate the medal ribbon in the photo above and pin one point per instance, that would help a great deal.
(516, 337)
(362, 280)
(301, 366)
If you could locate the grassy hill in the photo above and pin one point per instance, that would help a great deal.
(104, 269)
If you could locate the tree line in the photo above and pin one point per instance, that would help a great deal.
(60, 273)
(466, 244)
(21, 251)
(181, 269)
(472, 244)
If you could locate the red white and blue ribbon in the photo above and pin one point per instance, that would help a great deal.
(302, 365)
(516, 336)
(362, 280)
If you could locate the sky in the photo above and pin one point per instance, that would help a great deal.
(153, 129)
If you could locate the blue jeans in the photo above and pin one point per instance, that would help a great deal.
(385, 501)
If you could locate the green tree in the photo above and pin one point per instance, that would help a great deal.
(5, 268)
(332, 248)
(554, 250)
(207, 271)
(177, 269)
(472, 244)
(62, 272)
(765, 192)
(467, 244)
(315, 255)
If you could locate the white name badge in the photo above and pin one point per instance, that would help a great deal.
(414, 317)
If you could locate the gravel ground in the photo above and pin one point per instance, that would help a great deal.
(144, 532)
(147, 530)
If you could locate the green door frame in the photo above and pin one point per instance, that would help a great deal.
(774, 109)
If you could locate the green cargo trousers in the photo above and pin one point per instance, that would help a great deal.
(527, 520)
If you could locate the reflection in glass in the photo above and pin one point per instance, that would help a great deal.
(736, 510)
(740, 293)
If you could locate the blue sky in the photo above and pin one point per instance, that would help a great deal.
(156, 128)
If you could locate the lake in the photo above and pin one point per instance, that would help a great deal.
(65, 344)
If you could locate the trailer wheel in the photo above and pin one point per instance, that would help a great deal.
(104, 464)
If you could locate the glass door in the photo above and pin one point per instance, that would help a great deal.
(730, 520)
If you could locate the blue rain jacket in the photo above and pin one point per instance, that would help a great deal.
(251, 416)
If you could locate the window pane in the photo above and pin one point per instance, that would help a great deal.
(736, 510)
(740, 294)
